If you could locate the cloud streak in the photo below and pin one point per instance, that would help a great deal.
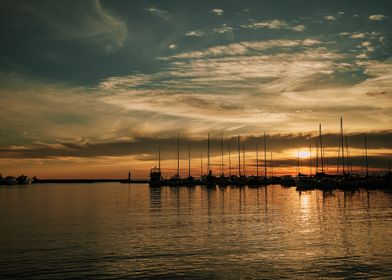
(274, 25)
(217, 11)
(377, 17)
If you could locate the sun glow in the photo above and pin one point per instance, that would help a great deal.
(303, 154)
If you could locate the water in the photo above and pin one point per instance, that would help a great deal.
(116, 231)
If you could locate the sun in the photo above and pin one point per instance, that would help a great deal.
(304, 154)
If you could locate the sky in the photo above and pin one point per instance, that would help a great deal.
(92, 88)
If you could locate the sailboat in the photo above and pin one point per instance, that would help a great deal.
(156, 179)
(255, 181)
(208, 180)
(190, 181)
(222, 180)
(175, 180)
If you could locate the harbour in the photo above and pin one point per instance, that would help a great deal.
(344, 178)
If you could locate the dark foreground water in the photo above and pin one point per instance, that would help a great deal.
(114, 231)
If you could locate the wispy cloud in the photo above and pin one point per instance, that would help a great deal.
(330, 18)
(224, 29)
(358, 35)
(217, 11)
(293, 71)
(273, 24)
(92, 26)
(246, 47)
(194, 33)
(159, 12)
(298, 28)
(377, 17)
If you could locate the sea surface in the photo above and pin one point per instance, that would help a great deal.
(117, 231)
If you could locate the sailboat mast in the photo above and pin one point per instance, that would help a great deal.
(159, 158)
(243, 159)
(265, 158)
(208, 154)
(201, 165)
(178, 154)
(349, 165)
(310, 159)
(222, 153)
(271, 170)
(257, 160)
(321, 149)
(239, 155)
(366, 158)
(189, 160)
(229, 162)
(342, 141)
(317, 156)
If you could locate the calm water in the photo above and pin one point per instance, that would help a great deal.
(112, 231)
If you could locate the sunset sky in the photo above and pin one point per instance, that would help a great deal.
(93, 88)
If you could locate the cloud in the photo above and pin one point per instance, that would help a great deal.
(298, 28)
(224, 28)
(362, 56)
(357, 35)
(194, 33)
(158, 12)
(89, 24)
(380, 80)
(217, 12)
(211, 88)
(130, 81)
(330, 18)
(246, 47)
(271, 24)
(274, 25)
(191, 89)
(377, 17)
(368, 46)
(279, 143)
(54, 111)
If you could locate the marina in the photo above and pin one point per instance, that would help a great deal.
(344, 178)
(196, 140)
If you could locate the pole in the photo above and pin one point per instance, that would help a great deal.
(321, 150)
(178, 154)
(239, 156)
(348, 159)
(222, 154)
(265, 157)
(159, 158)
(208, 154)
(189, 160)
(257, 160)
(310, 159)
(229, 162)
(243, 159)
(366, 158)
(342, 141)
(201, 165)
(317, 156)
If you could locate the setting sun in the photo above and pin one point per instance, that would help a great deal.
(303, 154)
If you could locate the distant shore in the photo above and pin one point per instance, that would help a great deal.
(70, 181)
